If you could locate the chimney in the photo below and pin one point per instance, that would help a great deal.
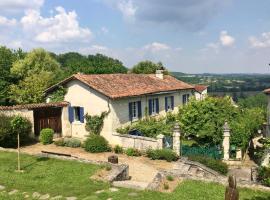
(159, 74)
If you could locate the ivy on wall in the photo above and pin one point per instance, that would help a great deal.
(58, 95)
(95, 123)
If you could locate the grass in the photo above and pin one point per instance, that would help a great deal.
(69, 178)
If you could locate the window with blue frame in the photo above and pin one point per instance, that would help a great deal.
(76, 114)
(135, 110)
(153, 106)
(185, 99)
(169, 103)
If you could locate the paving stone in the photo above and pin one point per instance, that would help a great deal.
(99, 191)
(71, 198)
(45, 196)
(114, 189)
(36, 195)
(57, 197)
(13, 192)
(2, 187)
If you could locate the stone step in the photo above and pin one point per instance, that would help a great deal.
(193, 171)
(131, 184)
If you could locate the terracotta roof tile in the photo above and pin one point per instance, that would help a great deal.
(200, 88)
(35, 105)
(124, 85)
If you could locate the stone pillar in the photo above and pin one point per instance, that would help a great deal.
(176, 139)
(226, 141)
(160, 141)
(239, 154)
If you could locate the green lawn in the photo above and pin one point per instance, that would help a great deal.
(69, 178)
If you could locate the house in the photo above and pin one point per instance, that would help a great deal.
(125, 97)
(200, 91)
(266, 128)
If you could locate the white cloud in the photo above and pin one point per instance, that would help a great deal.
(7, 22)
(156, 46)
(225, 39)
(127, 9)
(263, 42)
(15, 6)
(63, 27)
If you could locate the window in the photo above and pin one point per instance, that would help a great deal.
(185, 99)
(169, 103)
(76, 114)
(153, 106)
(135, 110)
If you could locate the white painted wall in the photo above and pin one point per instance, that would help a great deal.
(200, 96)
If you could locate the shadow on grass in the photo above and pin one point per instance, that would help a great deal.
(38, 160)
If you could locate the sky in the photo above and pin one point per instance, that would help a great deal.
(194, 36)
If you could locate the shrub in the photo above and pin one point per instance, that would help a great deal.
(94, 123)
(162, 154)
(133, 152)
(59, 142)
(264, 175)
(216, 165)
(96, 144)
(46, 136)
(72, 142)
(118, 150)
(10, 126)
(170, 178)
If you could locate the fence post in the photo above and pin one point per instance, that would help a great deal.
(160, 141)
(226, 141)
(176, 139)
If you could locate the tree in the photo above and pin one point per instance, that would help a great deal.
(147, 67)
(36, 72)
(258, 100)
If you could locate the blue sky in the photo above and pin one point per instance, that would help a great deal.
(195, 36)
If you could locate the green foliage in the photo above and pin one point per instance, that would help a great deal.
(258, 100)
(94, 123)
(264, 175)
(58, 95)
(10, 126)
(162, 154)
(169, 178)
(118, 149)
(216, 165)
(46, 136)
(133, 152)
(204, 120)
(68, 142)
(150, 127)
(147, 67)
(96, 144)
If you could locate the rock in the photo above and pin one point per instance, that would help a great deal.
(99, 191)
(2, 187)
(57, 197)
(71, 198)
(114, 189)
(45, 196)
(13, 192)
(36, 195)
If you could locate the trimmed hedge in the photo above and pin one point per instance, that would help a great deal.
(68, 142)
(264, 175)
(96, 144)
(10, 126)
(46, 136)
(216, 165)
(162, 154)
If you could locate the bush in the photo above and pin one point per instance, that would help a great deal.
(264, 175)
(216, 165)
(60, 142)
(72, 142)
(10, 126)
(96, 144)
(118, 150)
(133, 152)
(46, 136)
(162, 154)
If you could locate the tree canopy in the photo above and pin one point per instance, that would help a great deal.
(147, 67)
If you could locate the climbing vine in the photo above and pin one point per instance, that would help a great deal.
(58, 95)
(95, 123)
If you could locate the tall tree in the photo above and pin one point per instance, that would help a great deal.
(37, 71)
(147, 67)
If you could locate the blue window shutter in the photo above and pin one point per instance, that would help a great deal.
(172, 102)
(166, 104)
(157, 105)
(130, 111)
(150, 106)
(139, 109)
(70, 114)
(81, 114)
